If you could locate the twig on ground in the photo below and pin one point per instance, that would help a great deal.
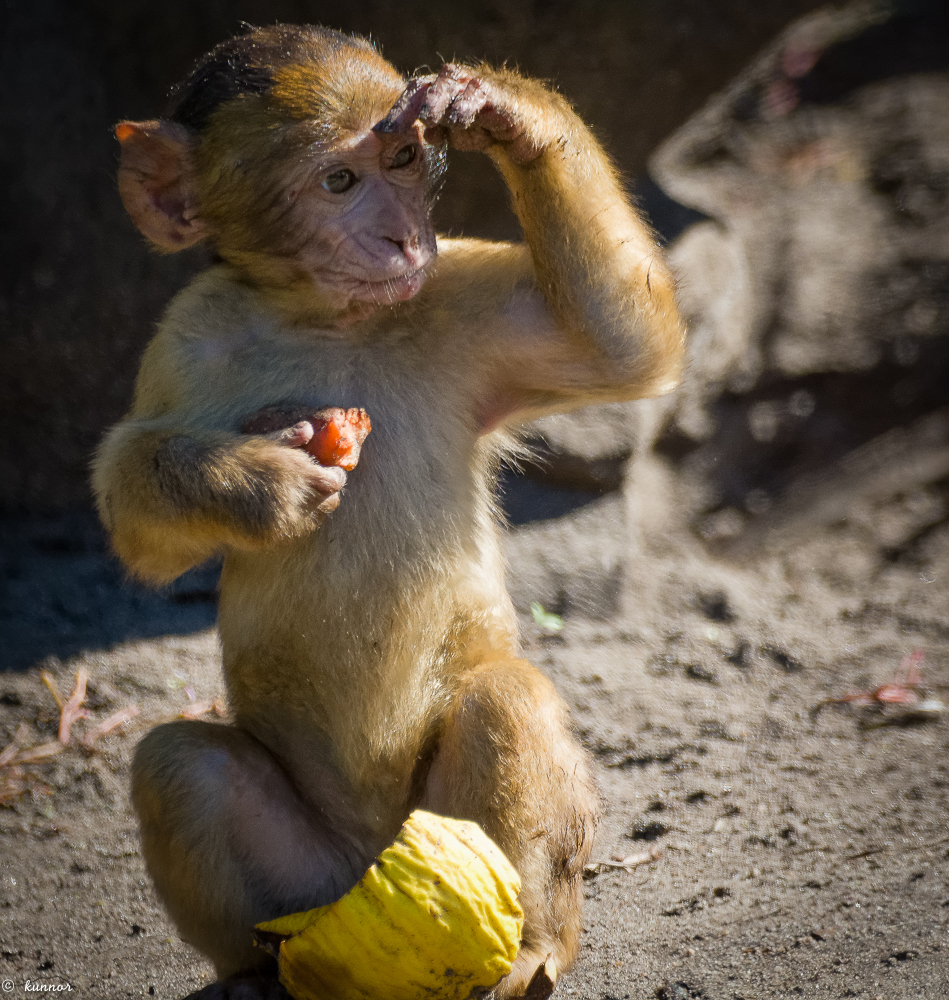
(8, 753)
(869, 852)
(32, 755)
(626, 864)
(50, 682)
(11, 787)
(73, 710)
(115, 720)
(905, 689)
(14, 781)
(199, 708)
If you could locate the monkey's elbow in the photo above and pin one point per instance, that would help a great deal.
(663, 340)
(649, 351)
(670, 360)
(665, 384)
(661, 372)
(150, 554)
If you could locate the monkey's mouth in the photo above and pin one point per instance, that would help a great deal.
(392, 290)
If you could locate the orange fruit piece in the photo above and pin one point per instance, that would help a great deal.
(338, 435)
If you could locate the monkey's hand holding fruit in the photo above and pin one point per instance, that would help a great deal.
(246, 492)
(332, 435)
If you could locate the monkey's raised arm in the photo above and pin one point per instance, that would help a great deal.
(174, 490)
(605, 324)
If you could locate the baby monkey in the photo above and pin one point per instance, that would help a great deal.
(370, 648)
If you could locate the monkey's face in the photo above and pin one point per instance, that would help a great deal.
(338, 218)
(357, 219)
(269, 155)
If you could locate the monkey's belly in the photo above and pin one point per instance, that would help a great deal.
(345, 684)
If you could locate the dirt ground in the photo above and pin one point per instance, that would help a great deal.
(797, 852)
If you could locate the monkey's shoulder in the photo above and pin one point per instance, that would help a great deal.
(206, 333)
(470, 263)
(217, 304)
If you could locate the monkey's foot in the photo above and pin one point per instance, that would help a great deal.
(250, 987)
(540, 980)
(543, 981)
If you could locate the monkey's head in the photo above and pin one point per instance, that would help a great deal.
(267, 153)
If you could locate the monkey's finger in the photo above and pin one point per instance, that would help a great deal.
(449, 83)
(293, 437)
(466, 106)
(325, 480)
(404, 113)
(329, 504)
(490, 108)
(502, 125)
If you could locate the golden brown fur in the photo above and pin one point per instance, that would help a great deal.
(371, 653)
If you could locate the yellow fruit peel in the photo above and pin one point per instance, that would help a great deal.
(435, 916)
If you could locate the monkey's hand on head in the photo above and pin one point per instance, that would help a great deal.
(477, 108)
(172, 500)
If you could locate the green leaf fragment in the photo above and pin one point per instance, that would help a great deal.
(544, 619)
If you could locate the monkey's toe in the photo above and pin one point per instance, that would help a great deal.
(527, 980)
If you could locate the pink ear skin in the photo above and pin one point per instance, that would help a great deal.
(156, 183)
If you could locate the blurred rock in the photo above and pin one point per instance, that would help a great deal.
(818, 291)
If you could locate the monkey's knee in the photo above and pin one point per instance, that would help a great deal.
(508, 737)
(508, 760)
(514, 727)
(227, 840)
(180, 770)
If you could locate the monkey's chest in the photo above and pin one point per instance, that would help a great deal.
(416, 508)
(417, 474)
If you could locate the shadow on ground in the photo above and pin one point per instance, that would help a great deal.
(63, 592)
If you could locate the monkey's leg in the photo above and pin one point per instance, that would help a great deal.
(508, 761)
(228, 841)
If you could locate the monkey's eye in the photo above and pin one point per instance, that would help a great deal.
(339, 181)
(404, 157)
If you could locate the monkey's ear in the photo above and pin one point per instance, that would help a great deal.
(156, 182)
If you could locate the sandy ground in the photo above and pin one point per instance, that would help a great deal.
(794, 852)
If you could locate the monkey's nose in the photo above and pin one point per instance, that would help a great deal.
(409, 247)
(408, 244)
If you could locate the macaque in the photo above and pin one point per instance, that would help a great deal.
(370, 649)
